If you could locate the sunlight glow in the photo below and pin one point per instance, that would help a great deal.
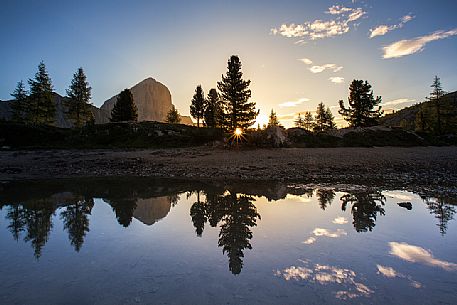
(238, 132)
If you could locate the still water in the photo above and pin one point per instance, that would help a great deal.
(143, 241)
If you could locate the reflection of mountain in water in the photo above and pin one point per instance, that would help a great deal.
(229, 206)
(150, 210)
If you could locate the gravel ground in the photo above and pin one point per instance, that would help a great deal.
(416, 165)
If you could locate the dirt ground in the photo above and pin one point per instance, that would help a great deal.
(418, 165)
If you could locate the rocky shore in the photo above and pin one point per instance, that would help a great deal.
(386, 165)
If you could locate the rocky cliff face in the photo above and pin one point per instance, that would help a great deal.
(152, 99)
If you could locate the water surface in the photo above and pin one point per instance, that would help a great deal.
(130, 241)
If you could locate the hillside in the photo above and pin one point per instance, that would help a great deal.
(406, 118)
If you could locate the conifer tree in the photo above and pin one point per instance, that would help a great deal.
(240, 112)
(41, 106)
(197, 105)
(299, 122)
(124, 109)
(173, 116)
(435, 96)
(308, 121)
(213, 113)
(19, 106)
(79, 93)
(323, 119)
(273, 119)
(361, 111)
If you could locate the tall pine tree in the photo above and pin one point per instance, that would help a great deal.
(361, 111)
(41, 108)
(273, 119)
(435, 96)
(19, 106)
(124, 108)
(235, 93)
(79, 93)
(197, 105)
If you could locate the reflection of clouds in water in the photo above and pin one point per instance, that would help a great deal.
(310, 241)
(326, 274)
(415, 254)
(298, 198)
(326, 233)
(398, 195)
(340, 221)
(390, 272)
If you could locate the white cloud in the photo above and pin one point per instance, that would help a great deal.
(327, 233)
(391, 273)
(294, 103)
(310, 241)
(399, 102)
(340, 221)
(384, 29)
(306, 61)
(415, 254)
(318, 28)
(411, 46)
(319, 69)
(337, 79)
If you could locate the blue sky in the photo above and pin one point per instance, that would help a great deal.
(296, 53)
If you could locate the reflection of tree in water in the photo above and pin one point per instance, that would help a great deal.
(123, 208)
(325, 197)
(443, 210)
(35, 218)
(198, 215)
(365, 207)
(76, 221)
(237, 215)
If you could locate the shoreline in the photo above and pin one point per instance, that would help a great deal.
(386, 165)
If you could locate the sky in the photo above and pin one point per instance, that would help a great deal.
(296, 53)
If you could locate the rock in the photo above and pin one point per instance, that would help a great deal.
(406, 205)
(186, 120)
(153, 100)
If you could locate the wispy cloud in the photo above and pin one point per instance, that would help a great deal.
(381, 30)
(411, 46)
(340, 221)
(318, 29)
(337, 79)
(294, 103)
(415, 254)
(306, 61)
(319, 69)
(399, 101)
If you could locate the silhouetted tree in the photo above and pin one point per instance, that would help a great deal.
(325, 197)
(235, 93)
(19, 106)
(323, 119)
(17, 216)
(299, 122)
(273, 119)
(38, 219)
(124, 109)
(197, 105)
(79, 94)
(41, 108)
(361, 111)
(308, 121)
(76, 221)
(443, 211)
(123, 208)
(365, 207)
(234, 237)
(198, 215)
(213, 113)
(435, 96)
(173, 116)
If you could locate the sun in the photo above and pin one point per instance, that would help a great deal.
(238, 132)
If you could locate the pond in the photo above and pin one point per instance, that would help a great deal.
(147, 241)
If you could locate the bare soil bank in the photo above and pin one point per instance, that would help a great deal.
(386, 165)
